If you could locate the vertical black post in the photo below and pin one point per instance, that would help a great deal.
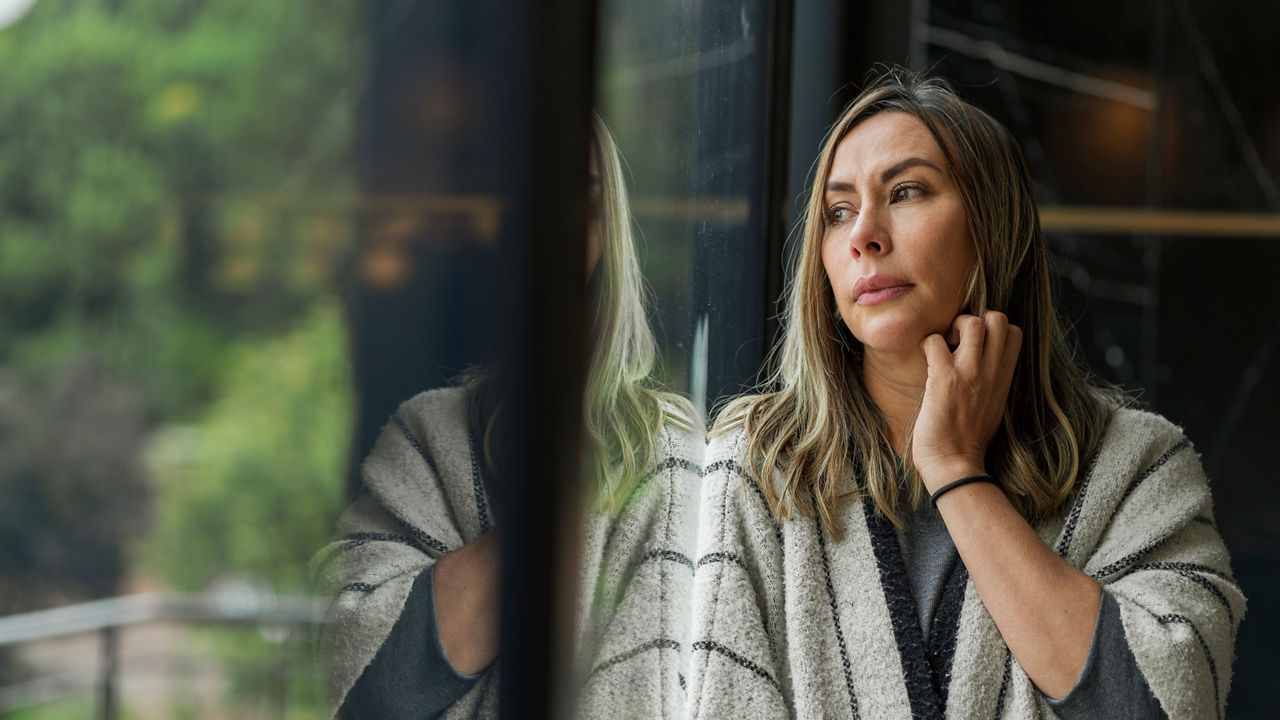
(110, 659)
(777, 141)
(1152, 252)
(549, 358)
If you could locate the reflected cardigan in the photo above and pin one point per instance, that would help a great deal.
(423, 495)
(791, 622)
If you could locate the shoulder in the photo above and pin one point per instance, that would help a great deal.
(1140, 430)
(729, 482)
(446, 403)
(1144, 482)
(1139, 445)
(679, 445)
(424, 435)
(727, 448)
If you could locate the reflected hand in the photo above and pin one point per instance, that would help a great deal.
(964, 397)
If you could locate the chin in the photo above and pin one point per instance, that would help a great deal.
(889, 337)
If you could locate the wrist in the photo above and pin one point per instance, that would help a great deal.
(960, 483)
(937, 475)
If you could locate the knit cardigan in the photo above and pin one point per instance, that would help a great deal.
(791, 622)
(423, 495)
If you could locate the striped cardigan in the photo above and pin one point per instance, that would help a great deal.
(424, 496)
(792, 622)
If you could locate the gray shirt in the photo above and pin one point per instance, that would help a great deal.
(1109, 685)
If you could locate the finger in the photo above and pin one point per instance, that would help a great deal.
(996, 326)
(972, 333)
(936, 353)
(1003, 377)
(1012, 349)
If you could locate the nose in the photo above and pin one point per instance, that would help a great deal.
(869, 234)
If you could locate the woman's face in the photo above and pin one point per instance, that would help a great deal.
(896, 247)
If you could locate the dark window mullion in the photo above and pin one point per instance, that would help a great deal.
(549, 367)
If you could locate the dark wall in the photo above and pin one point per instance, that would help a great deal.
(441, 152)
(1187, 322)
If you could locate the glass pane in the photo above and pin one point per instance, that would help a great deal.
(177, 194)
(682, 88)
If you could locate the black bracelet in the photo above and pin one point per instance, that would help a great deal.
(962, 481)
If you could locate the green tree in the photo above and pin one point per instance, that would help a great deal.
(252, 488)
(168, 170)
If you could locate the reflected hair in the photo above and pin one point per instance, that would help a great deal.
(624, 407)
(815, 430)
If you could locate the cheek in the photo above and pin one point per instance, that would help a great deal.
(593, 247)
(952, 256)
(830, 258)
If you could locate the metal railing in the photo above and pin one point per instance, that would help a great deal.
(107, 617)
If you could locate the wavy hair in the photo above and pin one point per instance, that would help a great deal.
(814, 428)
(624, 407)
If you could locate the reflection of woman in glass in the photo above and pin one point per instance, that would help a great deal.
(930, 511)
(414, 568)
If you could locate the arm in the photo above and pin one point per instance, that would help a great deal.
(1044, 608)
(410, 677)
(1111, 682)
(468, 599)
(410, 518)
(1145, 533)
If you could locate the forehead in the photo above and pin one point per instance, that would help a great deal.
(882, 140)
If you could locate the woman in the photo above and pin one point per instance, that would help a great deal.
(414, 568)
(929, 510)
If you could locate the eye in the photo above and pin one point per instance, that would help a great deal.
(907, 191)
(837, 214)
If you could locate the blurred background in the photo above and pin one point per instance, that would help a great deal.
(176, 396)
(234, 235)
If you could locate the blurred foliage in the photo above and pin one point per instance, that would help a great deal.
(73, 488)
(167, 169)
(253, 486)
(173, 234)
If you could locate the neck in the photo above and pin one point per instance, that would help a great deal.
(895, 382)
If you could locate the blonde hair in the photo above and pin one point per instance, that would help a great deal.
(813, 421)
(624, 406)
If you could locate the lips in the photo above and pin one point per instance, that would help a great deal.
(878, 288)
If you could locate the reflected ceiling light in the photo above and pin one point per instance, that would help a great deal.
(11, 11)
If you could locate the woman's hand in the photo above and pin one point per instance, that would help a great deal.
(964, 396)
(1044, 608)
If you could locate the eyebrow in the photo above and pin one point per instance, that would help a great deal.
(886, 176)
